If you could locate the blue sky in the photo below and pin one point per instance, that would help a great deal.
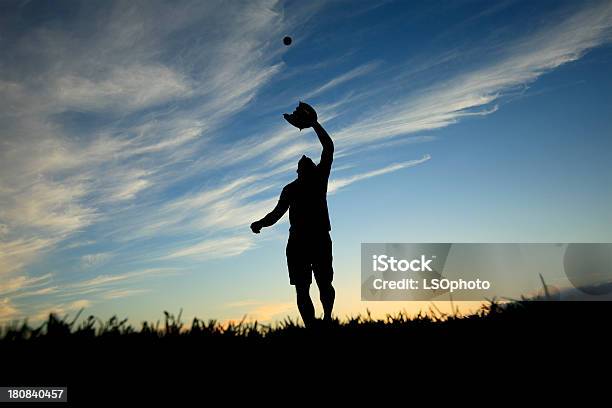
(138, 140)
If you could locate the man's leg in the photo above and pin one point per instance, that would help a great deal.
(300, 275)
(305, 305)
(328, 295)
(324, 274)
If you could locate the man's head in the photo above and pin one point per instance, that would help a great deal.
(306, 167)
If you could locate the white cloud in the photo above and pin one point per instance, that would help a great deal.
(337, 184)
(122, 293)
(36, 292)
(242, 303)
(129, 191)
(215, 248)
(346, 77)
(55, 181)
(129, 87)
(16, 253)
(79, 304)
(18, 283)
(8, 311)
(104, 280)
(211, 195)
(472, 93)
(49, 206)
(40, 215)
(230, 213)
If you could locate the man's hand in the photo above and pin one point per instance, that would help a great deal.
(256, 227)
(304, 116)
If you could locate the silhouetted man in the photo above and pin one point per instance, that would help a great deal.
(309, 248)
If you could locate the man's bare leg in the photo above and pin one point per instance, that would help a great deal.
(327, 296)
(305, 305)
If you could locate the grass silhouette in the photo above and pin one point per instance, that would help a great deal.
(95, 329)
(91, 356)
(108, 360)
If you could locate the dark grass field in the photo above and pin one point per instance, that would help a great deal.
(112, 360)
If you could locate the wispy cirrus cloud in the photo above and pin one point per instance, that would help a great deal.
(35, 298)
(215, 248)
(341, 79)
(123, 293)
(8, 311)
(19, 283)
(101, 282)
(18, 252)
(155, 98)
(474, 93)
(125, 87)
(340, 183)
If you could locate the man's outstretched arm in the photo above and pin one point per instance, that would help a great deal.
(273, 216)
(328, 146)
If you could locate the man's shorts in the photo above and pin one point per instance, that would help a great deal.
(308, 254)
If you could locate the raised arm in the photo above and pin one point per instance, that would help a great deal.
(328, 146)
(273, 216)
